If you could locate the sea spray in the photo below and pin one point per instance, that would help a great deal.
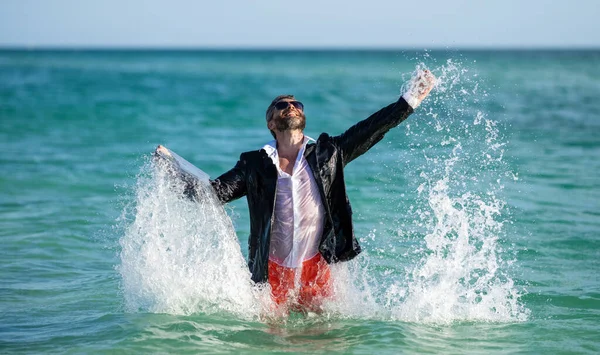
(181, 255)
(461, 273)
(457, 268)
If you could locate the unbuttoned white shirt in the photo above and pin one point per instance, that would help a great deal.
(299, 213)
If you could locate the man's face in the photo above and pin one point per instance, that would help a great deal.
(290, 117)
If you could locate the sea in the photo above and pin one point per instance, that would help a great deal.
(478, 216)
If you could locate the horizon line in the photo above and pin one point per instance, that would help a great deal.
(289, 48)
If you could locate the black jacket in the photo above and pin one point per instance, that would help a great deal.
(255, 176)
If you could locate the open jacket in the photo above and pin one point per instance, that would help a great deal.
(255, 176)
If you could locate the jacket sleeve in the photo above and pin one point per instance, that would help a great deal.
(232, 184)
(365, 134)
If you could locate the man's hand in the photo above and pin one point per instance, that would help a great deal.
(419, 87)
(162, 151)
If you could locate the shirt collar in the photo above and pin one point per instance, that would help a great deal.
(271, 149)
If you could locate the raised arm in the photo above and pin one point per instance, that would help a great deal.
(365, 134)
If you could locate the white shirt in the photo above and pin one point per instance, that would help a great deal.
(299, 213)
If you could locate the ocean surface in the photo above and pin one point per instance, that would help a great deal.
(479, 216)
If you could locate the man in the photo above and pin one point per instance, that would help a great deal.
(300, 216)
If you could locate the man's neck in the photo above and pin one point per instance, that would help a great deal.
(289, 143)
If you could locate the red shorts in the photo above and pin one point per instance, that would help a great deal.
(315, 283)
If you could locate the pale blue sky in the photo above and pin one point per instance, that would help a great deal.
(310, 23)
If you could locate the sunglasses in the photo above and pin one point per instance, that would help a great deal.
(282, 105)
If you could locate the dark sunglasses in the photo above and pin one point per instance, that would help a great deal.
(282, 105)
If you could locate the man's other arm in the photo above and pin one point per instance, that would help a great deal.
(232, 184)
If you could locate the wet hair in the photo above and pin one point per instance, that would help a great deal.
(271, 108)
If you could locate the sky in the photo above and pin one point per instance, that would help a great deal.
(307, 24)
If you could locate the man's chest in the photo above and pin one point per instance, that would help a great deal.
(286, 165)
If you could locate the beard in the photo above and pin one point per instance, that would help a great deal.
(285, 122)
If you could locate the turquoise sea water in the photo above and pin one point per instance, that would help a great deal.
(479, 215)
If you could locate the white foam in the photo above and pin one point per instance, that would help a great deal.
(460, 277)
(179, 256)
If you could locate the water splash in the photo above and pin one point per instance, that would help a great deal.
(457, 268)
(461, 275)
(181, 256)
